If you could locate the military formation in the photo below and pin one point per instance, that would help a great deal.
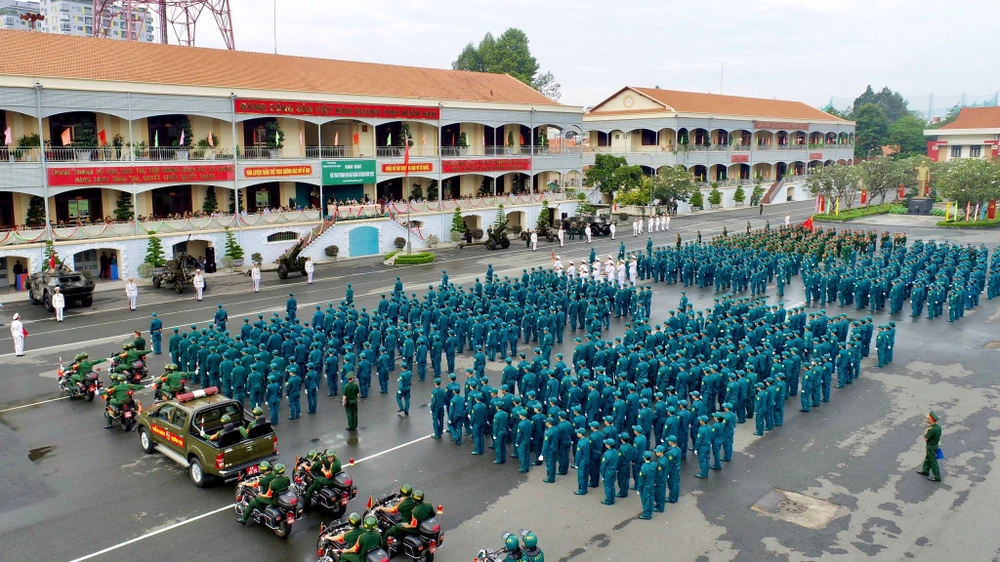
(625, 411)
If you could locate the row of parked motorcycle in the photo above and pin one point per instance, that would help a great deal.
(91, 386)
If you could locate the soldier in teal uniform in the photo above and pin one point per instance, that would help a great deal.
(437, 406)
(156, 334)
(312, 387)
(703, 446)
(273, 397)
(290, 307)
(728, 432)
(626, 455)
(501, 432)
(403, 392)
(660, 478)
(581, 461)
(550, 450)
(221, 317)
(609, 471)
(255, 386)
(646, 485)
(718, 433)
(673, 455)
(478, 415)
(522, 439)
(293, 390)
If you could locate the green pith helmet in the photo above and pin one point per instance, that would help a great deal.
(258, 411)
(418, 496)
(354, 519)
(279, 468)
(226, 419)
(80, 356)
(530, 540)
(405, 490)
(264, 467)
(330, 453)
(170, 367)
(371, 523)
(511, 543)
(311, 455)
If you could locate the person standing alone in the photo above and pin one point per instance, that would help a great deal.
(18, 332)
(255, 276)
(132, 292)
(933, 437)
(310, 269)
(199, 283)
(59, 304)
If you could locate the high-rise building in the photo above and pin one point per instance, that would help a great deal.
(11, 12)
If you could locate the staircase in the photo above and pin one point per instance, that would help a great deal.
(773, 190)
(317, 232)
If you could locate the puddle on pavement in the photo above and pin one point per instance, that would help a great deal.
(40, 453)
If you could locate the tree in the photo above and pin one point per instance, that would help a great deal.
(739, 196)
(123, 208)
(84, 134)
(211, 204)
(951, 116)
(233, 249)
(881, 175)
(872, 130)
(715, 196)
(672, 184)
(432, 191)
(891, 103)
(841, 113)
(36, 211)
(601, 173)
(969, 180)
(836, 182)
(507, 54)
(697, 200)
(50, 251)
(501, 216)
(907, 133)
(758, 192)
(633, 197)
(457, 223)
(154, 252)
(545, 215)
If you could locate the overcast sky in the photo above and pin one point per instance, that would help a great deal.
(807, 50)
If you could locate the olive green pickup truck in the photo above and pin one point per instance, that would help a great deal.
(180, 429)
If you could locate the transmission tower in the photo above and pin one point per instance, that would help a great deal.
(180, 16)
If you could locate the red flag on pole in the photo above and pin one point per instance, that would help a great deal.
(52, 261)
(371, 500)
(357, 139)
(406, 159)
(103, 137)
(67, 137)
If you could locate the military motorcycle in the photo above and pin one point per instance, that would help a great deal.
(134, 374)
(331, 498)
(125, 415)
(420, 547)
(88, 388)
(329, 551)
(280, 517)
(490, 555)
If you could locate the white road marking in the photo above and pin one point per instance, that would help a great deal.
(33, 404)
(221, 509)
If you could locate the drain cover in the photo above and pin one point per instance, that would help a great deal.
(791, 506)
(805, 511)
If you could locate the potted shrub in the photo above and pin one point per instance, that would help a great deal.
(463, 144)
(457, 225)
(715, 196)
(510, 142)
(86, 139)
(26, 142)
(275, 139)
(739, 196)
(433, 241)
(257, 258)
(696, 201)
(399, 242)
(331, 251)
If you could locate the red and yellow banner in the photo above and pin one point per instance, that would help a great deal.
(781, 125)
(167, 434)
(97, 175)
(345, 110)
(486, 165)
(739, 158)
(276, 171)
(410, 168)
(815, 155)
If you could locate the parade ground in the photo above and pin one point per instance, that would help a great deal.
(838, 483)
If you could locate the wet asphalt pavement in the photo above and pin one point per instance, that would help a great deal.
(78, 492)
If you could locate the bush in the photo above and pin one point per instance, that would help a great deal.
(715, 196)
(988, 223)
(331, 251)
(623, 217)
(696, 200)
(455, 236)
(739, 195)
(418, 258)
(399, 242)
(477, 234)
(257, 258)
(433, 241)
(146, 270)
(937, 212)
(226, 262)
(859, 212)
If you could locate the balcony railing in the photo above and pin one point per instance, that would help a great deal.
(334, 151)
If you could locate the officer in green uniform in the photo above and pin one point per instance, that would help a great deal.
(118, 395)
(421, 511)
(323, 473)
(227, 425)
(349, 538)
(263, 482)
(277, 486)
(351, 393)
(84, 366)
(367, 541)
(933, 437)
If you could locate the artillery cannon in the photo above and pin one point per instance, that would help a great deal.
(292, 260)
(178, 272)
(497, 236)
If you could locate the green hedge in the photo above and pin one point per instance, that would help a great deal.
(418, 258)
(988, 223)
(862, 212)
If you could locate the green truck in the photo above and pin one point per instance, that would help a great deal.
(180, 430)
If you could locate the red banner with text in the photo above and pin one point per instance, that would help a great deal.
(486, 165)
(346, 110)
(116, 175)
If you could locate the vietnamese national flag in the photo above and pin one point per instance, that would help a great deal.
(52, 261)
(521, 135)
(357, 139)
(67, 137)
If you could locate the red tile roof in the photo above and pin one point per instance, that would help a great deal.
(716, 104)
(45, 55)
(976, 118)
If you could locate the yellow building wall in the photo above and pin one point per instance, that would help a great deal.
(144, 204)
(20, 124)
